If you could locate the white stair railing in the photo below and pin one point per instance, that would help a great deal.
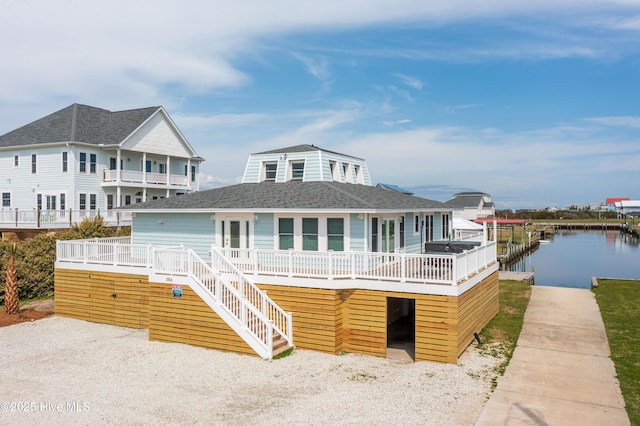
(224, 297)
(281, 320)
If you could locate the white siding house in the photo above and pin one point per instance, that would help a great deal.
(82, 160)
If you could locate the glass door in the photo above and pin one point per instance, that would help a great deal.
(235, 233)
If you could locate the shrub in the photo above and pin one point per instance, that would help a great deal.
(35, 259)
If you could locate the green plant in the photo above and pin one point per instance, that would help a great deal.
(284, 354)
(35, 258)
(92, 228)
(618, 301)
(500, 336)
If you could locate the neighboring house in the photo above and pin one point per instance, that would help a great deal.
(628, 208)
(472, 205)
(305, 252)
(82, 160)
(611, 202)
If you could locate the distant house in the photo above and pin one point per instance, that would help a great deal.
(305, 252)
(611, 202)
(472, 205)
(82, 160)
(628, 208)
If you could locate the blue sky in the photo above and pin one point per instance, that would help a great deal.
(536, 103)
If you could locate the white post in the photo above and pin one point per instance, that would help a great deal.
(484, 233)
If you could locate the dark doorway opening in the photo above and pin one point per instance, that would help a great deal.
(401, 325)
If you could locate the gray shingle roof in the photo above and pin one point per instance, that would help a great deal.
(302, 148)
(466, 201)
(294, 195)
(79, 123)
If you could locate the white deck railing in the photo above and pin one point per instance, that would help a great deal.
(132, 176)
(34, 219)
(450, 268)
(447, 269)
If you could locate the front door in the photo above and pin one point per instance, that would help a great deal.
(235, 233)
(383, 233)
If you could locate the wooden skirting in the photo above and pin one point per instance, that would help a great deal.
(335, 321)
(331, 321)
(89, 296)
(317, 317)
(189, 320)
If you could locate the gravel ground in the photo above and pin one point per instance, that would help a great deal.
(64, 371)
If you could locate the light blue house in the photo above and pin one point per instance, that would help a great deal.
(304, 251)
(300, 198)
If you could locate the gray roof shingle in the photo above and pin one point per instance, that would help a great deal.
(79, 123)
(294, 195)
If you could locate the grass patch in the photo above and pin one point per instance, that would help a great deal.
(500, 336)
(284, 354)
(619, 301)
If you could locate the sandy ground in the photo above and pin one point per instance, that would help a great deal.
(63, 371)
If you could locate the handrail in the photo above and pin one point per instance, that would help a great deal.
(281, 320)
(181, 261)
(448, 269)
(445, 268)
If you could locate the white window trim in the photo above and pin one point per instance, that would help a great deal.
(290, 163)
(263, 170)
(323, 239)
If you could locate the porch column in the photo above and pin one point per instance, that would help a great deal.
(144, 168)
(484, 233)
(168, 177)
(118, 175)
(188, 174)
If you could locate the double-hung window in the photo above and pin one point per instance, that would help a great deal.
(6, 199)
(92, 163)
(285, 233)
(297, 170)
(83, 201)
(270, 170)
(92, 201)
(310, 234)
(83, 162)
(34, 163)
(335, 234)
(65, 161)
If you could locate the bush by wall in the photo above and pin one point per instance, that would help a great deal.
(35, 260)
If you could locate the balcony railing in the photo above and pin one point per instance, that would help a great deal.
(448, 269)
(47, 219)
(131, 176)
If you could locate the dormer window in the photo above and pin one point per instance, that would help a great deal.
(270, 170)
(335, 176)
(358, 171)
(297, 170)
(345, 170)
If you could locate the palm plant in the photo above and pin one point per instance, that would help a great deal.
(11, 299)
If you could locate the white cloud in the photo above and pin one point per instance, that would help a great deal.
(317, 66)
(209, 122)
(410, 81)
(621, 121)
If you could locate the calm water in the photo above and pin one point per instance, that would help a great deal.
(573, 257)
